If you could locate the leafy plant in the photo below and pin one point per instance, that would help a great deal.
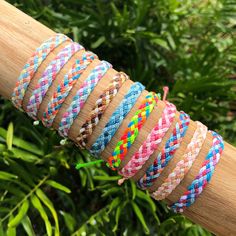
(187, 45)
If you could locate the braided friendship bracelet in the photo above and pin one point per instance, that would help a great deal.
(81, 96)
(100, 106)
(116, 118)
(184, 165)
(32, 66)
(132, 131)
(204, 175)
(65, 87)
(167, 153)
(49, 75)
(151, 143)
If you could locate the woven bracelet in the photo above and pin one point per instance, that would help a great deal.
(32, 65)
(151, 143)
(204, 175)
(100, 106)
(184, 165)
(167, 153)
(65, 87)
(116, 118)
(132, 131)
(48, 76)
(81, 97)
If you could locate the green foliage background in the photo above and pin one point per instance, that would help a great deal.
(188, 45)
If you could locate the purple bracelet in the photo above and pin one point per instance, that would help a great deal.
(48, 76)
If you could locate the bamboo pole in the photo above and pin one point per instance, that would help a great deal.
(215, 209)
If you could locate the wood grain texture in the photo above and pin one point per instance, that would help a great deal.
(20, 35)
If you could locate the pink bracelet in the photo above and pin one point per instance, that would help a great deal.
(151, 143)
(184, 165)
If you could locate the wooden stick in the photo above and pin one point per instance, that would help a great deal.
(215, 209)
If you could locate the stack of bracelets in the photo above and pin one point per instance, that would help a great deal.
(129, 168)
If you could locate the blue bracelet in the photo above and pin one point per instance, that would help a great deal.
(203, 177)
(167, 153)
(116, 118)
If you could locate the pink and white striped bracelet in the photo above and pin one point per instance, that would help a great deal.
(151, 143)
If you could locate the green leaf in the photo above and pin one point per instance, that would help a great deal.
(9, 137)
(115, 202)
(69, 220)
(90, 179)
(83, 177)
(21, 172)
(2, 233)
(25, 155)
(26, 223)
(140, 216)
(56, 185)
(50, 206)
(142, 195)
(164, 225)
(171, 41)
(160, 42)
(111, 191)
(97, 43)
(11, 231)
(37, 204)
(134, 189)
(2, 147)
(117, 217)
(20, 215)
(22, 144)
(7, 176)
(3, 210)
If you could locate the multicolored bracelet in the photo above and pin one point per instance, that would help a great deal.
(65, 87)
(184, 165)
(49, 75)
(81, 96)
(167, 153)
(116, 118)
(151, 143)
(100, 106)
(32, 65)
(204, 175)
(132, 131)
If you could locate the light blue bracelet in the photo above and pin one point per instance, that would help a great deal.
(116, 118)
